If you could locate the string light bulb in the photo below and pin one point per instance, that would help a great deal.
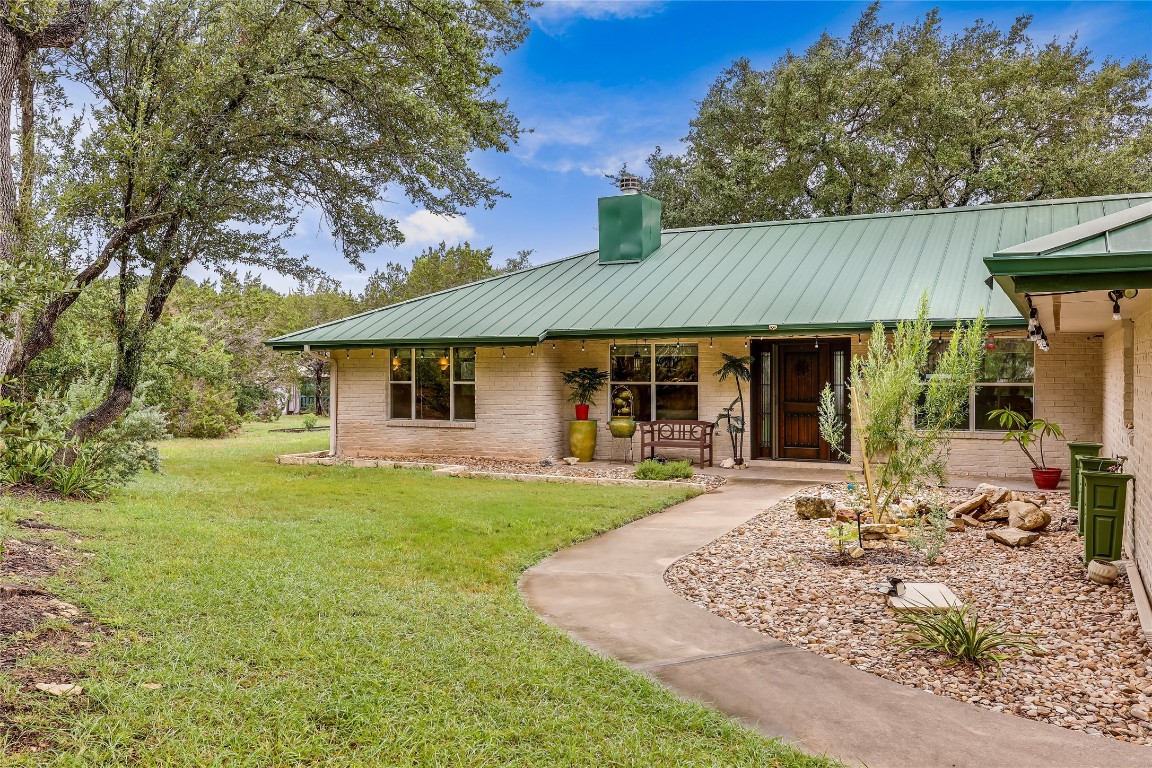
(502, 352)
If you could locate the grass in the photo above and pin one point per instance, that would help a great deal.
(347, 617)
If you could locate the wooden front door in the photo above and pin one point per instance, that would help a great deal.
(803, 371)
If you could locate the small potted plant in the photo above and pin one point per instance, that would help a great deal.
(584, 383)
(1027, 432)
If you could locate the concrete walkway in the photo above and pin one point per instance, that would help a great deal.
(609, 594)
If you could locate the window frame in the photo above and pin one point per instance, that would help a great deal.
(652, 383)
(411, 382)
(971, 427)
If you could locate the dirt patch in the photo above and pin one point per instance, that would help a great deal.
(34, 621)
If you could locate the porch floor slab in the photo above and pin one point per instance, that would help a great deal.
(609, 594)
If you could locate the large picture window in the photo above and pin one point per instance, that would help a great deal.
(1005, 379)
(433, 384)
(664, 379)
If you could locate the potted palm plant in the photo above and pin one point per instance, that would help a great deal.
(584, 383)
(1026, 433)
(740, 369)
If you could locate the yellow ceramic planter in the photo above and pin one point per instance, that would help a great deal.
(582, 438)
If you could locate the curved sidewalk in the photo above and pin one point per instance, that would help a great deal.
(609, 594)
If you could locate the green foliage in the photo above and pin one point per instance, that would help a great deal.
(902, 412)
(958, 634)
(320, 605)
(841, 533)
(198, 409)
(930, 533)
(650, 469)
(909, 117)
(436, 269)
(584, 383)
(38, 452)
(310, 421)
(1026, 432)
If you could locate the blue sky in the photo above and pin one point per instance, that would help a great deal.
(602, 83)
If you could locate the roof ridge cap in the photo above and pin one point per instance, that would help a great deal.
(916, 212)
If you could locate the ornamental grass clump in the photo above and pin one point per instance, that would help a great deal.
(649, 469)
(958, 634)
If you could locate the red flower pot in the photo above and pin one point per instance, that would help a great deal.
(582, 412)
(1047, 479)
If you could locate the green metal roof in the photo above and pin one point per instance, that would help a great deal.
(1113, 251)
(809, 275)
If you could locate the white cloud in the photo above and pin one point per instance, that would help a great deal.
(424, 228)
(556, 16)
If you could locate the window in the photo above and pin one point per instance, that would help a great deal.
(664, 378)
(1005, 379)
(433, 384)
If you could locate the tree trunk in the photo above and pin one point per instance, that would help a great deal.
(318, 378)
(15, 47)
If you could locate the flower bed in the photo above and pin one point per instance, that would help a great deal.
(774, 574)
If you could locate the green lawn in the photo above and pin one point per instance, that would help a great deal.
(349, 617)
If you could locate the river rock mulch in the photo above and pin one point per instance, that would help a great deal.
(774, 574)
(555, 467)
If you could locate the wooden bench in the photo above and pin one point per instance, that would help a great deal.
(687, 433)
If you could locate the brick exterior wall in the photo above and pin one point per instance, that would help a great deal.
(521, 408)
(1068, 380)
(1140, 455)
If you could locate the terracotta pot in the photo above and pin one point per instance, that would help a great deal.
(1048, 478)
(1102, 572)
(582, 412)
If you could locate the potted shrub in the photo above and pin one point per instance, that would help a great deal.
(1027, 432)
(584, 383)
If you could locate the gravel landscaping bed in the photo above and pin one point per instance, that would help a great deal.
(774, 574)
(558, 467)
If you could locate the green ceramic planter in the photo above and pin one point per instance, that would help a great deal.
(582, 438)
(621, 426)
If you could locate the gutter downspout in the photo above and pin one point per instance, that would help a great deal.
(333, 394)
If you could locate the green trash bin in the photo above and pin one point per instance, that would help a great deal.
(1104, 496)
(1075, 451)
(1090, 464)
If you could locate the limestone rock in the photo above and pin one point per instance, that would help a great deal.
(994, 493)
(728, 463)
(856, 553)
(60, 689)
(1013, 537)
(880, 528)
(1027, 516)
(845, 513)
(971, 505)
(814, 507)
(996, 513)
(571, 460)
(969, 521)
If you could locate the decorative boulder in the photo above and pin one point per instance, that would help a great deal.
(994, 493)
(727, 463)
(978, 501)
(814, 507)
(1027, 516)
(998, 512)
(1013, 537)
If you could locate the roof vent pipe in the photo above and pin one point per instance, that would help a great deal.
(628, 184)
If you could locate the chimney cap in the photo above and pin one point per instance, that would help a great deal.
(627, 183)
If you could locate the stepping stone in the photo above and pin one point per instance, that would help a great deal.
(925, 596)
(60, 689)
(1013, 537)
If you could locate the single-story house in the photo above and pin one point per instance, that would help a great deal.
(476, 370)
